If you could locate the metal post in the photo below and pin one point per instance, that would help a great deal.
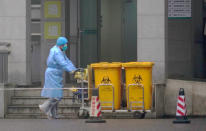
(82, 86)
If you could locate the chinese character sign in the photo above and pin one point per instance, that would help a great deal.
(179, 8)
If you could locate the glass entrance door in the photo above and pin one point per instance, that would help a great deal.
(118, 32)
(129, 50)
(88, 46)
(111, 30)
(107, 31)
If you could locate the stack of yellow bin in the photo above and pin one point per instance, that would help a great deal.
(107, 74)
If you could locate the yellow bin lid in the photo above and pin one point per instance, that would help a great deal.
(138, 64)
(106, 65)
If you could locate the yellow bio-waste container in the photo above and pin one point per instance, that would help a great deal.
(138, 73)
(108, 73)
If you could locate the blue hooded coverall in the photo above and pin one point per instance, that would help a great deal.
(57, 62)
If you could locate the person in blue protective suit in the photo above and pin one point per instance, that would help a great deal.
(57, 63)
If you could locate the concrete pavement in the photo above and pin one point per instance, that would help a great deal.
(110, 125)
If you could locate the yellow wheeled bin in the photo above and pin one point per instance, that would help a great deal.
(138, 85)
(107, 78)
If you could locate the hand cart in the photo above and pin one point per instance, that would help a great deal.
(134, 110)
(84, 110)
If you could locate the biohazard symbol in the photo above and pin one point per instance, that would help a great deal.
(137, 79)
(106, 80)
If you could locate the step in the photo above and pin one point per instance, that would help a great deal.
(35, 100)
(128, 115)
(39, 116)
(34, 92)
(115, 115)
(29, 109)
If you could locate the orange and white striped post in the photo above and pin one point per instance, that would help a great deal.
(95, 110)
(181, 112)
(95, 107)
(181, 106)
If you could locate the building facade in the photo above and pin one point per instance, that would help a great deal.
(97, 31)
(105, 30)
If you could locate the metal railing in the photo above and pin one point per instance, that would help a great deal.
(130, 104)
(105, 102)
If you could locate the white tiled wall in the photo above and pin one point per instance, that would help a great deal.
(13, 30)
(11, 8)
(151, 36)
(151, 50)
(150, 7)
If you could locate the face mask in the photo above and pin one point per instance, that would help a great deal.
(64, 48)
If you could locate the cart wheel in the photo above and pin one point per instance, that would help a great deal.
(83, 114)
(139, 115)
